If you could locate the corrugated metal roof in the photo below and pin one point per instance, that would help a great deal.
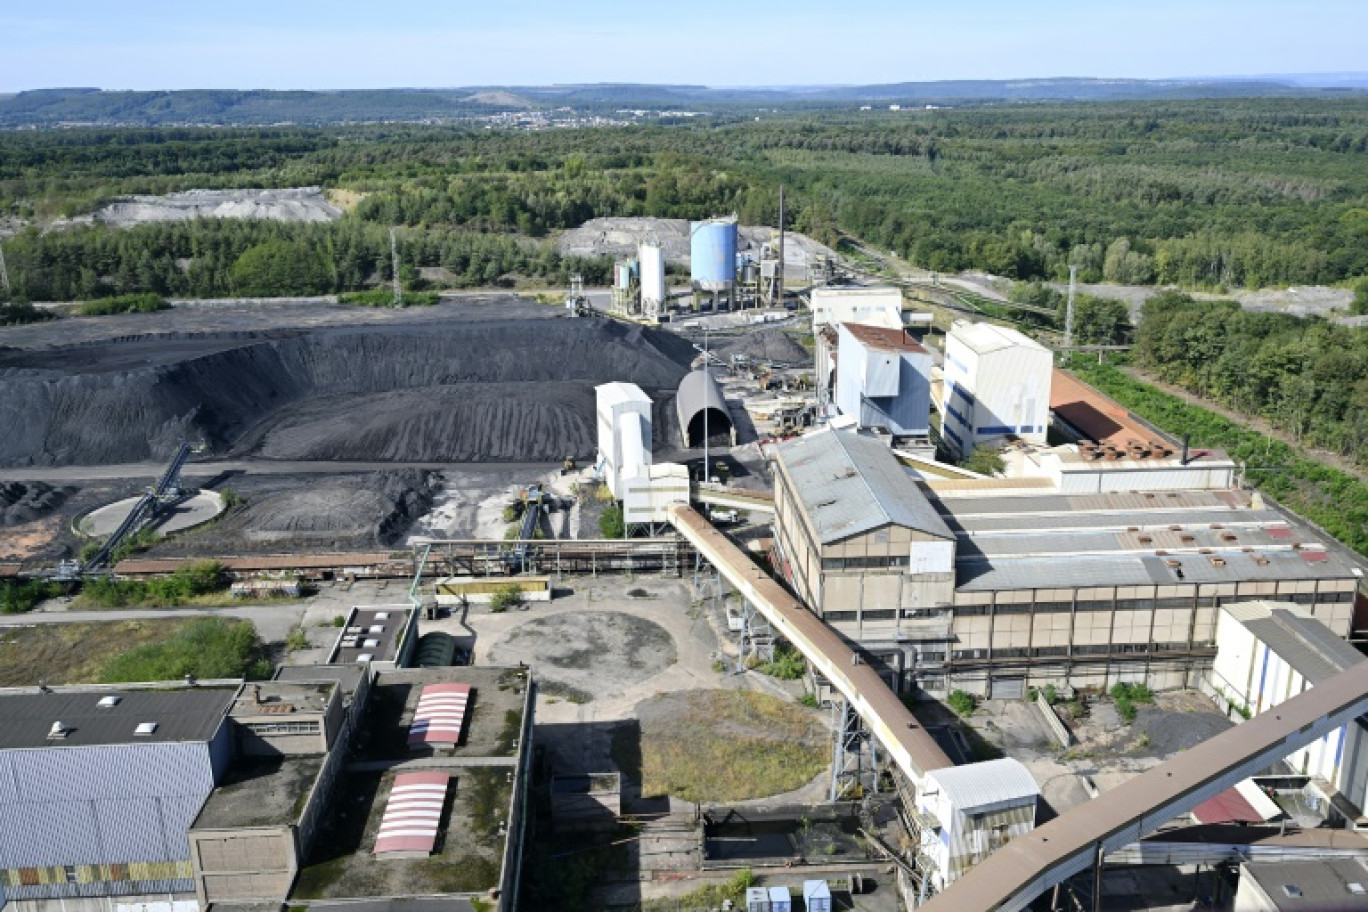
(440, 716)
(1299, 639)
(413, 813)
(180, 714)
(983, 785)
(1228, 807)
(851, 484)
(883, 338)
(699, 391)
(983, 338)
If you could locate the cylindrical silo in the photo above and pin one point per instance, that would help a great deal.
(712, 253)
(652, 274)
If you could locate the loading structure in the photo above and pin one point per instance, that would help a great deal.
(1012, 877)
(165, 492)
(702, 409)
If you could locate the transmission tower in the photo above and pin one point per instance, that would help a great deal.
(1069, 311)
(4, 273)
(394, 268)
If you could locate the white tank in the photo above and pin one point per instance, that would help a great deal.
(652, 274)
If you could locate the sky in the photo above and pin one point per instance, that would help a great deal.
(346, 44)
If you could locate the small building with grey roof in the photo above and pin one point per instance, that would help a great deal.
(1322, 885)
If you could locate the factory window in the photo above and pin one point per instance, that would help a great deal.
(881, 614)
(1014, 653)
(283, 728)
(1013, 609)
(967, 653)
(1095, 606)
(1332, 597)
(1170, 647)
(1183, 602)
(1092, 649)
(931, 657)
(1061, 607)
(69, 871)
(1303, 598)
(1050, 650)
(971, 610)
(1141, 604)
(837, 616)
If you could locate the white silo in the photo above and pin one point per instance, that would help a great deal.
(652, 260)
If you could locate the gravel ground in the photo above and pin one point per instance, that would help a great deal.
(299, 204)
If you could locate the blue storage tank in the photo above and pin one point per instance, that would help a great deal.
(712, 253)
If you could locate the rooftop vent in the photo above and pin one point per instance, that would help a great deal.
(1146, 540)
(110, 701)
(1292, 890)
(1355, 888)
(1187, 538)
(364, 657)
(1217, 561)
(1174, 564)
(1261, 560)
(1228, 537)
(145, 728)
(382, 615)
(57, 732)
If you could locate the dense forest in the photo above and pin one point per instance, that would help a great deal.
(1203, 194)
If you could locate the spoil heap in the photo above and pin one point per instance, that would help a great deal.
(445, 390)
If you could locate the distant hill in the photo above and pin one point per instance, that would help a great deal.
(64, 106)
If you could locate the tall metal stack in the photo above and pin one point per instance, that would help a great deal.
(712, 255)
(652, 265)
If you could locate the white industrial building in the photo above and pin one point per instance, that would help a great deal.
(973, 811)
(649, 492)
(624, 432)
(883, 379)
(997, 384)
(1268, 652)
(880, 306)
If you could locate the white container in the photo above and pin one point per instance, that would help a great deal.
(652, 274)
(780, 899)
(816, 896)
(757, 899)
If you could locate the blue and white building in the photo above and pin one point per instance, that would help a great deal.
(883, 379)
(997, 384)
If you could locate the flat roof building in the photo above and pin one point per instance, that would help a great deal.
(883, 380)
(1339, 884)
(381, 636)
(997, 385)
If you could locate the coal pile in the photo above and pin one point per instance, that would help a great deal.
(451, 389)
(24, 502)
(772, 345)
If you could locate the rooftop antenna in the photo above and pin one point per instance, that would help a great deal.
(394, 268)
(780, 267)
(1069, 311)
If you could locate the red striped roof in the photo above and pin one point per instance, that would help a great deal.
(413, 813)
(439, 716)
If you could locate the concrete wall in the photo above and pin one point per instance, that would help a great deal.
(258, 863)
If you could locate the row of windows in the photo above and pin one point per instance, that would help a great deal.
(1091, 649)
(284, 728)
(1147, 604)
(888, 562)
(105, 873)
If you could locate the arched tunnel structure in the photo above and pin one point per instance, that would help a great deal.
(702, 409)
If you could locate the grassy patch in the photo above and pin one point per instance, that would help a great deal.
(709, 897)
(383, 297)
(727, 745)
(121, 304)
(17, 597)
(195, 580)
(204, 647)
(74, 653)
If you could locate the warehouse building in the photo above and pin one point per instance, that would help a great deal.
(996, 385)
(883, 380)
(98, 786)
(994, 587)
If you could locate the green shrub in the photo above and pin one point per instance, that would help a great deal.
(985, 460)
(199, 578)
(809, 700)
(788, 664)
(120, 304)
(339, 620)
(18, 313)
(296, 640)
(204, 648)
(231, 498)
(384, 297)
(18, 597)
(505, 597)
(962, 702)
(610, 522)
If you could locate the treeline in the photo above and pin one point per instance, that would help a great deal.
(1304, 375)
(1245, 192)
(209, 258)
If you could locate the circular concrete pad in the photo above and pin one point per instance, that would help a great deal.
(590, 654)
(193, 511)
